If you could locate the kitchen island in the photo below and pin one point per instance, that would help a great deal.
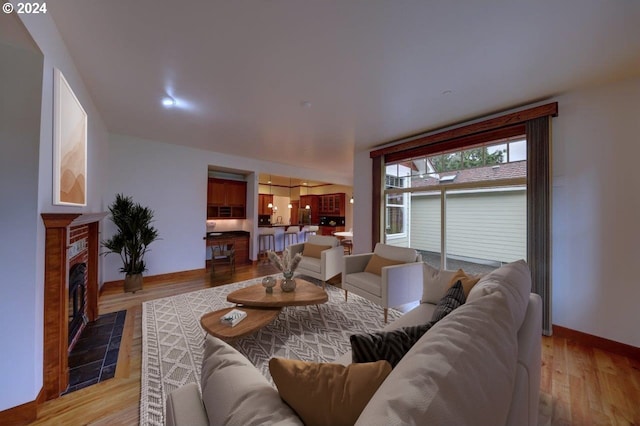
(279, 234)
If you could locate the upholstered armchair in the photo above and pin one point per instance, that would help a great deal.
(390, 276)
(321, 257)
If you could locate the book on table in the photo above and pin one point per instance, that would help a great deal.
(233, 317)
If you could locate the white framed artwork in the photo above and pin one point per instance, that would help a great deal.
(69, 145)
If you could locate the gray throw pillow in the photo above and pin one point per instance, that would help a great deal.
(386, 345)
(453, 298)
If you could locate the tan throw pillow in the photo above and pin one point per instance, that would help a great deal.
(324, 393)
(467, 281)
(376, 263)
(313, 250)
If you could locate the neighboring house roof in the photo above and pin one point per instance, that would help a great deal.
(516, 169)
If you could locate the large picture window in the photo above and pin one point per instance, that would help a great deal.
(464, 208)
(478, 147)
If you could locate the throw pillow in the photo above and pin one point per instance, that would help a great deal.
(376, 263)
(435, 284)
(467, 281)
(314, 250)
(451, 300)
(327, 394)
(386, 345)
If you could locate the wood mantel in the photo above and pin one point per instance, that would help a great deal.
(56, 293)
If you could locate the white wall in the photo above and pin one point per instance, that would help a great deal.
(20, 92)
(25, 306)
(172, 181)
(595, 205)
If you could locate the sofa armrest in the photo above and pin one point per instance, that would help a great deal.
(401, 283)
(524, 407)
(295, 249)
(355, 263)
(184, 407)
(331, 261)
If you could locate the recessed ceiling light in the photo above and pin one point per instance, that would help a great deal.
(305, 104)
(447, 92)
(168, 102)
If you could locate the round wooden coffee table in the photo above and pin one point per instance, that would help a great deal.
(261, 307)
(305, 293)
(255, 320)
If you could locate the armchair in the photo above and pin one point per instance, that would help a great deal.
(328, 262)
(398, 283)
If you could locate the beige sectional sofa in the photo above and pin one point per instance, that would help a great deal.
(480, 365)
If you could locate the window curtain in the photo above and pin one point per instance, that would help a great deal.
(539, 212)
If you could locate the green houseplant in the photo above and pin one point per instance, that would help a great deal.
(132, 238)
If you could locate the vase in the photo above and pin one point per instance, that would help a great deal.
(268, 283)
(132, 282)
(288, 284)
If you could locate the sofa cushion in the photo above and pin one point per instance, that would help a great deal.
(366, 281)
(435, 283)
(401, 254)
(310, 264)
(376, 263)
(327, 394)
(512, 279)
(386, 345)
(468, 281)
(446, 376)
(453, 298)
(234, 392)
(314, 250)
(323, 240)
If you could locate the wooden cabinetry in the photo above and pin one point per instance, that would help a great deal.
(332, 204)
(263, 204)
(329, 230)
(313, 202)
(240, 241)
(226, 199)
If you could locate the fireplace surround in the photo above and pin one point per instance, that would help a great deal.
(60, 248)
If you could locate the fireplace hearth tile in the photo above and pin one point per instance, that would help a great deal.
(95, 354)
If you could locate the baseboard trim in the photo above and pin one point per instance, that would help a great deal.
(597, 342)
(22, 414)
(157, 279)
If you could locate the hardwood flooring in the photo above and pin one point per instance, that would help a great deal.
(580, 385)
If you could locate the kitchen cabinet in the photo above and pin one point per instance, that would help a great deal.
(263, 204)
(332, 204)
(313, 202)
(329, 230)
(226, 199)
(239, 239)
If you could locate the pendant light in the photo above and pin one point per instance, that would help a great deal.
(270, 205)
(290, 206)
(307, 207)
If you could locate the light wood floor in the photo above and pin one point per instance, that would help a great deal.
(580, 385)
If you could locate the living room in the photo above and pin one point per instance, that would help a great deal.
(594, 191)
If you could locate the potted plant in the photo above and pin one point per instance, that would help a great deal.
(131, 241)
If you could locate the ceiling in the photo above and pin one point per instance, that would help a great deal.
(308, 83)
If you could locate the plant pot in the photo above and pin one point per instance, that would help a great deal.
(132, 282)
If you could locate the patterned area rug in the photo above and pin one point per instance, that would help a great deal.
(172, 338)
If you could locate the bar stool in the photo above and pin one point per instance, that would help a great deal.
(310, 230)
(290, 233)
(266, 242)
